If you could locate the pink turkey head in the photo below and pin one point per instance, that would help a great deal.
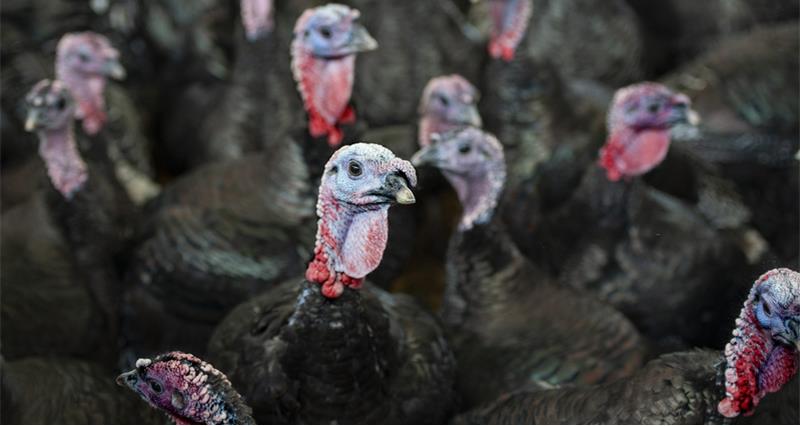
(358, 185)
(509, 20)
(50, 114)
(326, 40)
(83, 62)
(762, 355)
(188, 389)
(639, 121)
(257, 17)
(473, 162)
(88, 54)
(448, 102)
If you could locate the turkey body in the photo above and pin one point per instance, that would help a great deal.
(257, 104)
(60, 266)
(502, 344)
(677, 388)
(750, 124)
(70, 391)
(216, 236)
(647, 253)
(366, 357)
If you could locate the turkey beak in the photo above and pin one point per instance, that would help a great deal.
(468, 114)
(396, 187)
(682, 111)
(128, 379)
(32, 120)
(361, 40)
(114, 69)
(427, 156)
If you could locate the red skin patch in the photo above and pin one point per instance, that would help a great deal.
(344, 262)
(756, 365)
(509, 21)
(325, 86)
(629, 153)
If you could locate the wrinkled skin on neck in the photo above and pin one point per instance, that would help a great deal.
(325, 86)
(65, 166)
(756, 363)
(510, 20)
(630, 152)
(257, 18)
(350, 244)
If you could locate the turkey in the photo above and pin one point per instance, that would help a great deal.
(506, 319)
(230, 230)
(745, 90)
(48, 390)
(61, 246)
(188, 389)
(330, 348)
(645, 251)
(83, 62)
(694, 387)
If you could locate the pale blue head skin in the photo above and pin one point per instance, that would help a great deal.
(777, 306)
(474, 163)
(366, 175)
(332, 31)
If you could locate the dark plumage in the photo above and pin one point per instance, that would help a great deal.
(320, 350)
(501, 343)
(69, 391)
(245, 224)
(746, 94)
(256, 105)
(418, 41)
(634, 245)
(67, 240)
(699, 387)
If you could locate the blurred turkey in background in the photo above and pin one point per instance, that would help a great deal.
(599, 184)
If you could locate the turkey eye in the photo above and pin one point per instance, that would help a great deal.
(326, 32)
(465, 148)
(61, 103)
(443, 100)
(765, 307)
(83, 57)
(155, 386)
(354, 169)
(653, 108)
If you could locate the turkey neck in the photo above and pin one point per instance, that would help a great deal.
(484, 273)
(481, 255)
(67, 171)
(340, 350)
(253, 58)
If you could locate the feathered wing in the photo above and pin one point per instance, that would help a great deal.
(674, 389)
